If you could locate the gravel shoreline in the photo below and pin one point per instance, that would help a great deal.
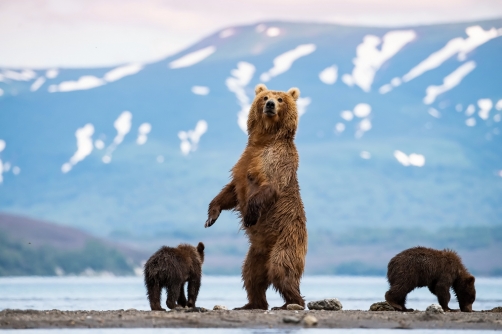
(19, 319)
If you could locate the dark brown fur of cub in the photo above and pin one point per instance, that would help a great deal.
(439, 270)
(264, 190)
(170, 268)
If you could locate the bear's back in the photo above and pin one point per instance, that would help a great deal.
(168, 264)
(422, 266)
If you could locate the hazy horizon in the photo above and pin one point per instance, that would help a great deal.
(86, 34)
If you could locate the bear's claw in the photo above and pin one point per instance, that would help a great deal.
(209, 222)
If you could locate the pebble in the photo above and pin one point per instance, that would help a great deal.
(219, 307)
(292, 307)
(291, 320)
(310, 320)
(381, 306)
(325, 304)
(434, 309)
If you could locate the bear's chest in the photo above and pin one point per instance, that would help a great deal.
(252, 171)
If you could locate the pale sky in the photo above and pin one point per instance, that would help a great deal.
(91, 33)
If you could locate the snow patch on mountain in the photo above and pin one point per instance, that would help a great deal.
(273, 32)
(84, 146)
(241, 76)
(51, 73)
(192, 58)
(347, 115)
(476, 37)
(434, 112)
(413, 159)
(122, 71)
(470, 121)
(369, 58)
(143, 131)
(361, 110)
(37, 84)
(450, 81)
(24, 75)
(83, 83)
(90, 81)
(190, 139)
(329, 75)
(485, 105)
(227, 33)
(123, 125)
(200, 90)
(302, 103)
(284, 61)
(498, 106)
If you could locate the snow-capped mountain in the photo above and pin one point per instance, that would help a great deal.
(398, 128)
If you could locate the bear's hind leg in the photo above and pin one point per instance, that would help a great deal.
(153, 290)
(396, 297)
(254, 274)
(173, 291)
(286, 279)
(193, 290)
(182, 301)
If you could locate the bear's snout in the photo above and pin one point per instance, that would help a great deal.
(269, 108)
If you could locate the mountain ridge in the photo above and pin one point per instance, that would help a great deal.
(154, 187)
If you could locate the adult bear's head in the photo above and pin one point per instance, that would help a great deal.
(273, 113)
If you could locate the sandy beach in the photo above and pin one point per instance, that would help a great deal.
(18, 319)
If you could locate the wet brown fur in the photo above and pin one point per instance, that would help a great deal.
(439, 270)
(170, 268)
(264, 190)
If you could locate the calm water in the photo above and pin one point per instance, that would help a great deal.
(241, 331)
(112, 293)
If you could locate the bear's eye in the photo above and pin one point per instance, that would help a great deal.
(265, 98)
(279, 99)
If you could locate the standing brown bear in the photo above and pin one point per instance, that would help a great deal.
(170, 268)
(439, 270)
(264, 191)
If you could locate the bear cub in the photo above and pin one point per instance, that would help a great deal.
(439, 270)
(170, 268)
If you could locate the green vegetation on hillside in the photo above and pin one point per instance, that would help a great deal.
(20, 259)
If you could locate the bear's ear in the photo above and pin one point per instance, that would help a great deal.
(200, 247)
(294, 92)
(470, 280)
(260, 88)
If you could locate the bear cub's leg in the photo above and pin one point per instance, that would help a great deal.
(153, 291)
(193, 290)
(182, 301)
(443, 294)
(396, 297)
(173, 291)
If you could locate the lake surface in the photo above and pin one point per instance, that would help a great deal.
(112, 293)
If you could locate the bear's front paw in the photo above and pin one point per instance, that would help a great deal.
(213, 214)
(250, 220)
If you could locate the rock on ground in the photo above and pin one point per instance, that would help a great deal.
(325, 304)
(381, 306)
(291, 320)
(295, 307)
(310, 320)
(434, 309)
(219, 307)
